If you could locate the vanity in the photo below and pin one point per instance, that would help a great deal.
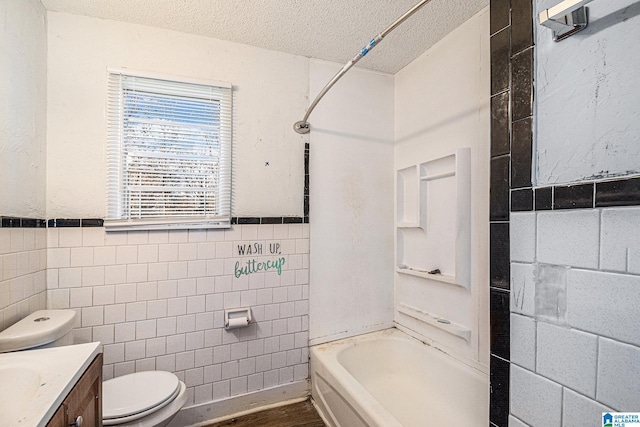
(52, 387)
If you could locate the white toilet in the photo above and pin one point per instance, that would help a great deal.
(143, 399)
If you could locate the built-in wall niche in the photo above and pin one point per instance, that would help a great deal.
(433, 219)
(408, 191)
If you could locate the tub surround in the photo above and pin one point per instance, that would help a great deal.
(442, 118)
(351, 204)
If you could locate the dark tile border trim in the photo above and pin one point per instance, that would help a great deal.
(580, 195)
(619, 192)
(17, 222)
(92, 222)
(269, 220)
(241, 220)
(306, 183)
(64, 222)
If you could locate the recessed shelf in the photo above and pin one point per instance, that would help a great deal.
(438, 176)
(408, 196)
(408, 225)
(425, 275)
(436, 321)
(433, 218)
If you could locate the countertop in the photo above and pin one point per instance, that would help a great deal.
(44, 378)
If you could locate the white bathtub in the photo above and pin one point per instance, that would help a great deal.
(389, 379)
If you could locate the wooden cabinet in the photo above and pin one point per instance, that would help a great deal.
(58, 418)
(84, 400)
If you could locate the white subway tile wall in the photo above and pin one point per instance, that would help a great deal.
(523, 341)
(23, 275)
(569, 237)
(534, 399)
(580, 411)
(156, 300)
(565, 355)
(590, 358)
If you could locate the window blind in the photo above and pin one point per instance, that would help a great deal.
(169, 153)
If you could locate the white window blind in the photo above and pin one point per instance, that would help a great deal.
(169, 153)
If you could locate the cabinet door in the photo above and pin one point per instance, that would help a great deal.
(85, 400)
(59, 418)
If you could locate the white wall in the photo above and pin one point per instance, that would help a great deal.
(23, 118)
(351, 206)
(587, 90)
(23, 44)
(442, 103)
(270, 94)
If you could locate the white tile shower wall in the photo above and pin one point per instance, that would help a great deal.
(156, 300)
(592, 356)
(23, 262)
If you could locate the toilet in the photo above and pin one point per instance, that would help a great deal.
(142, 399)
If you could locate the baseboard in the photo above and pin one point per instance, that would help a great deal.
(221, 410)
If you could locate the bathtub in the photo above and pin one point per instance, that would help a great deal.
(389, 379)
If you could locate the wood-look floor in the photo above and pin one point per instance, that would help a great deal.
(301, 414)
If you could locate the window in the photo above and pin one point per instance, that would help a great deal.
(169, 153)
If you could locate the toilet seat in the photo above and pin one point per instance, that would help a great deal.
(134, 396)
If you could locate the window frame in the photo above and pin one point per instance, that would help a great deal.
(115, 219)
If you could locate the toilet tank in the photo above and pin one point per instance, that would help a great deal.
(43, 328)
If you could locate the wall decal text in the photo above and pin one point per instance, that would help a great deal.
(254, 266)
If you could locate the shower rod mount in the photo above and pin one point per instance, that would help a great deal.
(303, 125)
(566, 18)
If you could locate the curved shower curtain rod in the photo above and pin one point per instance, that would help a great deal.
(303, 126)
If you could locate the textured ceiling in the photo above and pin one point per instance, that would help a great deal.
(333, 30)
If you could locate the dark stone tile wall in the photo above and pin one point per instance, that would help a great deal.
(499, 269)
(499, 192)
(511, 184)
(500, 140)
(521, 153)
(624, 192)
(522, 200)
(522, 85)
(499, 380)
(543, 199)
(499, 309)
(573, 196)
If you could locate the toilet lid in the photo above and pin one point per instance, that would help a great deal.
(136, 393)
